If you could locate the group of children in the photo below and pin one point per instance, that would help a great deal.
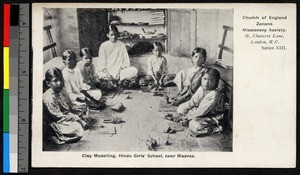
(78, 86)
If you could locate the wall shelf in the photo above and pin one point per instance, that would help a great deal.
(134, 24)
(137, 24)
(134, 9)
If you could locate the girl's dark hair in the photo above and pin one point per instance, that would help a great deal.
(85, 51)
(214, 73)
(67, 54)
(87, 57)
(112, 28)
(53, 72)
(199, 50)
(157, 44)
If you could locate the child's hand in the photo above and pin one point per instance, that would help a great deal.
(178, 117)
(71, 118)
(77, 108)
(156, 83)
(175, 102)
(118, 74)
(110, 77)
(81, 98)
(184, 90)
(117, 77)
(85, 118)
(161, 83)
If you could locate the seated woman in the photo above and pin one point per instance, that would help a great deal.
(63, 121)
(188, 81)
(114, 63)
(205, 102)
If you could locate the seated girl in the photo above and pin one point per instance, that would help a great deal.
(157, 68)
(86, 67)
(74, 85)
(205, 102)
(188, 81)
(63, 121)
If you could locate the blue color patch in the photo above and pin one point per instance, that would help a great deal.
(6, 168)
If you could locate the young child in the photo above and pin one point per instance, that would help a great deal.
(157, 67)
(114, 63)
(74, 85)
(86, 67)
(63, 121)
(206, 101)
(188, 81)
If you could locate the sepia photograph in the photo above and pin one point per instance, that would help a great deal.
(137, 79)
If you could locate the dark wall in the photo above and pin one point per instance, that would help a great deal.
(91, 27)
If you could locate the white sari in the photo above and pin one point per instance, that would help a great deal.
(113, 57)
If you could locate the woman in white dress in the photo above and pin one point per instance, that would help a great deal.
(114, 63)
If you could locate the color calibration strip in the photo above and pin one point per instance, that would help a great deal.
(6, 31)
(16, 88)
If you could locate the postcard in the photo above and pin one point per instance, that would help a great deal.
(163, 85)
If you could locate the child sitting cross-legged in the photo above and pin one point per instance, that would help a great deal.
(77, 90)
(206, 102)
(63, 120)
(86, 67)
(188, 81)
(157, 68)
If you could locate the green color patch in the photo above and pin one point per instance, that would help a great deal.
(6, 110)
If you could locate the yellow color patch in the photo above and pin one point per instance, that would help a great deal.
(6, 67)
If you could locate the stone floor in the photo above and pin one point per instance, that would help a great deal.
(142, 120)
